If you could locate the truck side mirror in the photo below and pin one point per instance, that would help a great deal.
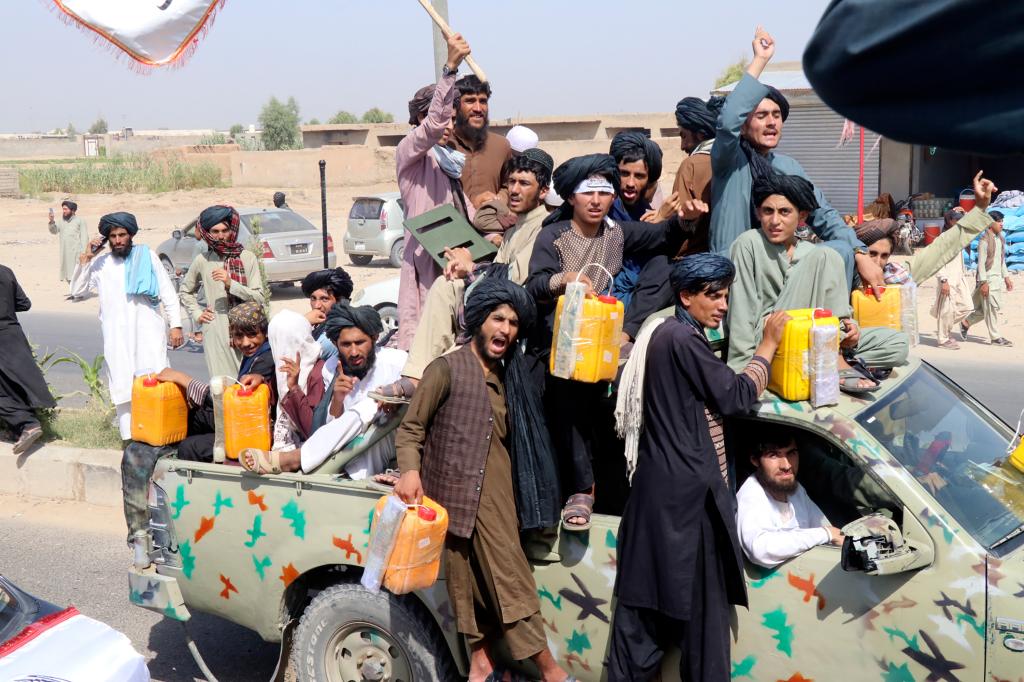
(874, 544)
(176, 234)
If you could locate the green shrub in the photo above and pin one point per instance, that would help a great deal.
(129, 173)
(213, 138)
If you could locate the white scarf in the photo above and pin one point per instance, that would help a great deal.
(629, 405)
(450, 160)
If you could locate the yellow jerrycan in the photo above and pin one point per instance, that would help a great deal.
(790, 373)
(416, 557)
(159, 412)
(869, 312)
(246, 419)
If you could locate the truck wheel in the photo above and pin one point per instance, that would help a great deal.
(397, 252)
(360, 260)
(348, 633)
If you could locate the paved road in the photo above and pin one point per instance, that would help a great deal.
(74, 553)
(80, 333)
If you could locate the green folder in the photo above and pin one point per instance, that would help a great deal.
(445, 228)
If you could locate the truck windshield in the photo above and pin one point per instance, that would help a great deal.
(11, 614)
(956, 449)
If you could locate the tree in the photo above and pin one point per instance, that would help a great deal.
(71, 131)
(731, 73)
(313, 121)
(375, 115)
(280, 124)
(98, 127)
(343, 117)
(236, 130)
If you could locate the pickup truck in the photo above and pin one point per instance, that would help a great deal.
(928, 586)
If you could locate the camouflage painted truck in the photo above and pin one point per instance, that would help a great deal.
(918, 475)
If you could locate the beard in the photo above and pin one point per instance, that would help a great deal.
(122, 251)
(482, 350)
(360, 372)
(775, 487)
(474, 137)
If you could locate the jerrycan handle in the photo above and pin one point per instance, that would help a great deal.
(611, 279)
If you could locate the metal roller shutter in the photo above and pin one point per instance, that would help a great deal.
(810, 136)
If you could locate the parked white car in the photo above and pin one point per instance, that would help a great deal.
(383, 297)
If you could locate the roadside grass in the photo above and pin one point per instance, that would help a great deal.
(128, 173)
(88, 427)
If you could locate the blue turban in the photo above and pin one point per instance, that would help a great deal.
(118, 219)
(693, 273)
(632, 145)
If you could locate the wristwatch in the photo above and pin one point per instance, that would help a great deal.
(445, 71)
(860, 251)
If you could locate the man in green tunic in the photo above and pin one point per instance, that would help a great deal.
(74, 236)
(777, 271)
(229, 275)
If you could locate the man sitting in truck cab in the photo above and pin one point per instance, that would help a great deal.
(775, 517)
(346, 409)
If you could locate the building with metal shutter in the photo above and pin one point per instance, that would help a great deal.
(811, 135)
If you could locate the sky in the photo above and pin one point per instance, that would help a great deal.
(543, 58)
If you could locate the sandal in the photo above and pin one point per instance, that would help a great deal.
(578, 505)
(950, 344)
(396, 393)
(263, 462)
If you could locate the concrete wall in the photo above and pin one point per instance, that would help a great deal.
(31, 147)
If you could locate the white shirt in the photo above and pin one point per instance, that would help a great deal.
(387, 369)
(772, 532)
(134, 330)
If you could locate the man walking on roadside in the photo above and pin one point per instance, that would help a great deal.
(132, 285)
(74, 235)
(993, 280)
(22, 386)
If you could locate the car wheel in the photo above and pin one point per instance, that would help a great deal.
(397, 252)
(360, 260)
(389, 316)
(348, 633)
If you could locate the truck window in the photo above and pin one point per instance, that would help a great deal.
(838, 485)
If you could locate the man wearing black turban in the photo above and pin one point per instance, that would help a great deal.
(74, 236)
(777, 271)
(346, 409)
(132, 285)
(471, 408)
(679, 561)
(279, 201)
(324, 288)
(691, 191)
(749, 129)
(639, 160)
(578, 238)
(229, 274)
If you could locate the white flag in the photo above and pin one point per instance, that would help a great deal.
(152, 32)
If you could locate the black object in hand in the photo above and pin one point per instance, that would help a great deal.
(99, 247)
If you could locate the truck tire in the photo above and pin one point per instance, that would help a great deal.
(360, 259)
(348, 633)
(397, 253)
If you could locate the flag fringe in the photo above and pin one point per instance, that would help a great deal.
(138, 63)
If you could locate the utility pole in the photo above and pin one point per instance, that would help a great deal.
(440, 42)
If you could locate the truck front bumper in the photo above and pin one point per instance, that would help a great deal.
(155, 592)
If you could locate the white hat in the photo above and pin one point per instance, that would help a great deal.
(522, 138)
(552, 199)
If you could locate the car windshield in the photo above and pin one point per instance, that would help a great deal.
(956, 449)
(365, 209)
(272, 222)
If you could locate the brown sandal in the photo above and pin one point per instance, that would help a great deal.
(578, 505)
(396, 393)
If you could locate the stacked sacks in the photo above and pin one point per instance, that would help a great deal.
(1013, 231)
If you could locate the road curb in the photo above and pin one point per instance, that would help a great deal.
(62, 473)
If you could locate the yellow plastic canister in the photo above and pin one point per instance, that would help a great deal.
(870, 312)
(790, 373)
(416, 557)
(597, 343)
(246, 419)
(159, 412)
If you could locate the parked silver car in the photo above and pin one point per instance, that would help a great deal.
(382, 297)
(292, 246)
(376, 229)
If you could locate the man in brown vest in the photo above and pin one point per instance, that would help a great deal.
(471, 408)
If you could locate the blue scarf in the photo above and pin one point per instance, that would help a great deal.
(683, 315)
(450, 160)
(247, 362)
(140, 275)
